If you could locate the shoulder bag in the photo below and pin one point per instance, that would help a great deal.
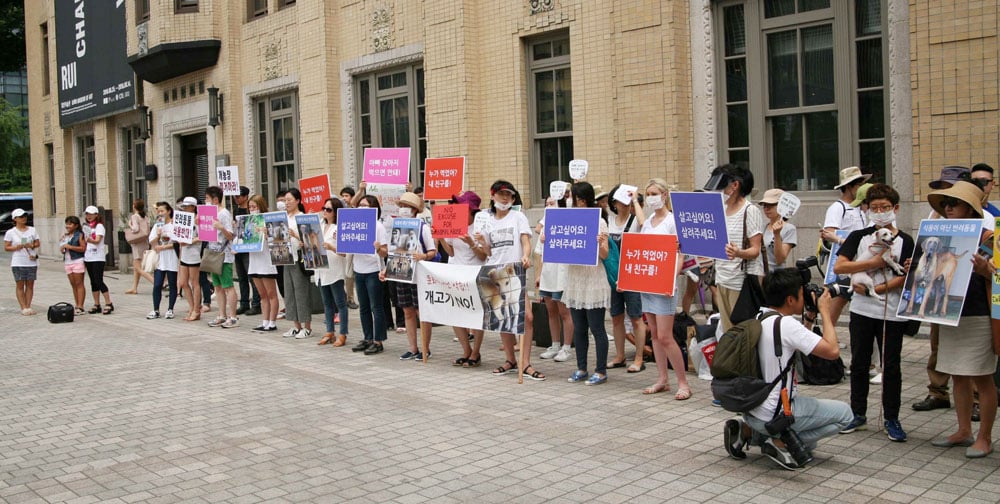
(751, 296)
(212, 261)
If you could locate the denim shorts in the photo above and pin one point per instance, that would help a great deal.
(24, 273)
(556, 296)
(659, 305)
(629, 303)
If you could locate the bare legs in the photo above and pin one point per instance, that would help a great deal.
(137, 273)
(665, 349)
(79, 291)
(964, 386)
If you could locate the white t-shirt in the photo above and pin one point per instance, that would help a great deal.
(793, 337)
(371, 263)
(76, 239)
(854, 246)
(728, 273)
(553, 276)
(615, 230)
(94, 251)
(789, 236)
(504, 237)
(666, 226)
(168, 258)
(221, 244)
(335, 272)
(22, 258)
(462, 253)
(843, 216)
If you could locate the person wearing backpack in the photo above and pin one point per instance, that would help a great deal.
(814, 419)
(844, 215)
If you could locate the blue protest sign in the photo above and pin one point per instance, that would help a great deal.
(701, 223)
(571, 235)
(831, 277)
(356, 230)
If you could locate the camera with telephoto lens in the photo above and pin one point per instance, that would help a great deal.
(812, 292)
(781, 426)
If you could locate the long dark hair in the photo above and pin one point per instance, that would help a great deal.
(298, 196)
(165, 204)
(373, 203)
(74, 220)
(336, 204)
(583, 191)
(140, 207)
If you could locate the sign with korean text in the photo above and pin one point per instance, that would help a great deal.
(250, 233)
(315, 190)
(557, 189)
(388, 196)
(450, 221)
(387, 165)
(648, 263)
(448, 294)
(311, 239)
(701, 223)
(571, 235)
(356, 230)
(207, 215)
(578, 169)
(481, 222)
(183, 227)
(443, 177)
(788, 204)
(229, 180)
(279, 242)
(625, 193)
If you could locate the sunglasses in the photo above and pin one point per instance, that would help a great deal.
(949, 201)
(327, 209)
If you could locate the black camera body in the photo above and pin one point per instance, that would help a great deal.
(812, 291)
(781, 426)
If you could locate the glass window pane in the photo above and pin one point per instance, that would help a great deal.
(735, 30)
(279, 141)
(868, 17)
(289, 138)
(262, 141)
(822, 160)
(399, 79)
(366, 131)
(873, 159)
(542, 50)
(549, 160)
(783, 69)
(402, 112)
(870, 63)
(565, 156)
(740, 157)
(739, 135)
(871, 121)
(808, 5)
(420, 86)
(384, 82)
(545, 102)
(786, 149)
(817, 65)
(560, 47)
(364, 90)
(564, 100)
(775, 8)
(386, 121)
(736, 80)
(422, 122)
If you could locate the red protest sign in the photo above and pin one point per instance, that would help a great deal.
(648, 263)
(443, 177)
(315, 190)
(450, 221)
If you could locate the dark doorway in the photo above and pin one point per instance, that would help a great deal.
(194, 166)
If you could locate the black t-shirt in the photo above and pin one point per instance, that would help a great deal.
(902, 248)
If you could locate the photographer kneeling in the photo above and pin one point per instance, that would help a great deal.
(811, 419)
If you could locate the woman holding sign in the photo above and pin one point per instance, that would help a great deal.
(331, 279)
(780, 236)
(190, 265)
(298, 307)
(626, 218)
(466, 251)
(369, 288)
(93, 259)
(660, 309)
(161, 239)
(263, 273)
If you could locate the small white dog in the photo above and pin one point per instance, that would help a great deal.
(882, 246)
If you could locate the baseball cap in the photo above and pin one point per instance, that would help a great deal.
(244, 191)
(949, 175)
(91, 210)
(502, 185)
(469, 197)
(189, 201)
(862, 194)
(18, 212)
(771, 196)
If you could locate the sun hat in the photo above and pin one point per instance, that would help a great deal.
(412, 200)
(502, 186)
(91, 210)
(18, 212)
(189, 201)
(851, 174)
(468, 197)
(949, 175)
(962, 190)
(771, 196)
(862, 194)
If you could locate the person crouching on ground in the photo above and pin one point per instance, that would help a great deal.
(815, 419)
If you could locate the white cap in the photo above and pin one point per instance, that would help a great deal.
(189, 201)
(91, 210)
(18, 212)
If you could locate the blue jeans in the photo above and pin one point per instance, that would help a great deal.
(158, 277)
(594, 319)
(815, 419)
(335, 301)
(369, 290)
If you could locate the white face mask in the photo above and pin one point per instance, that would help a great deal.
(654, 202)
(503, 207)
(405, 212)
(280, 205)
(725, 197)
(881, 219)
(254, 212)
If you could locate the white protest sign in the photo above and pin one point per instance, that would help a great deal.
(788, 204)
(183, 226)
(448, 294)
(624, 193)
(578, 169)
(389, 195)
(481, 221)
(228, 178)
(557, 189)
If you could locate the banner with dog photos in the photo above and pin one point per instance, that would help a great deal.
(491, 298)
(935, 286)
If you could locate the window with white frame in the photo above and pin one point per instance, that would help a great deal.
(88, 169)
(550, 92)
(135, 165)
(803, 92)
(277, 120)
(391, 112)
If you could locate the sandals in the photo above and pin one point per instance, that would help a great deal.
(108, 308)
(633, 369)
(616, 365)
(95, 309)
(534, 374)
(656, 388)
(460, 362)
(507, 367)
(683, 394)
(470, 362)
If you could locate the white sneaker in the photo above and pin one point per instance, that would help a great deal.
(291, 332)
(153, 315)
(876, 380)
(551, 351)
(563, 354)
(303, 334)
(169, 314)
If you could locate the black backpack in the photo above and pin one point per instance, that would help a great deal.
(738, 383)
(813, 370)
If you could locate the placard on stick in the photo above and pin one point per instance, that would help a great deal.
(443, 177)
(228, 178)
(387, 165)
(571, 235)
(450, 221)
(315, 190)
(648, 263)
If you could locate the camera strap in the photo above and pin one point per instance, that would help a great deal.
(789, 369)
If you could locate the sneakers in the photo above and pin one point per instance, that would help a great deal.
(169, 314)
(260, 328)
(596, 379)
(420, 355)
(303, 333)
(779, 456)
(153, 315)
(717, 403)
(231, 323)
(374, 348)
(408, 355)
(362, 345)
(290, 333)
(551, 351)
(578, 376)
(858, 423)
(876, 380)
(895, 431)
(563, 354)
(732, 436)
(217, 322)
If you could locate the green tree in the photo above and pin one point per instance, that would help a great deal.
(15, 150)
(12, 57)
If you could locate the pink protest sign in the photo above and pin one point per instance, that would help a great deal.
(315, 190)
(207, 215)
(387, 165)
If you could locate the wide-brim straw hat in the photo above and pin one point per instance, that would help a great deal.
(962, 190)
(411, 199)
(851, 174)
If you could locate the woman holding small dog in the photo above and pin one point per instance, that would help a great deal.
(966, 353)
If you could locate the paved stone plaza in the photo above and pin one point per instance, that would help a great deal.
(120, 409)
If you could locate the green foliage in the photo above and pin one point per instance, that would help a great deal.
(12, 57)
(15, 149)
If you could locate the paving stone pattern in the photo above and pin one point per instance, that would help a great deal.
(122, 409)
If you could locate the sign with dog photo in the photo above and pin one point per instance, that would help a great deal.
(448, 294)
(939, 273)
(502, 290)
